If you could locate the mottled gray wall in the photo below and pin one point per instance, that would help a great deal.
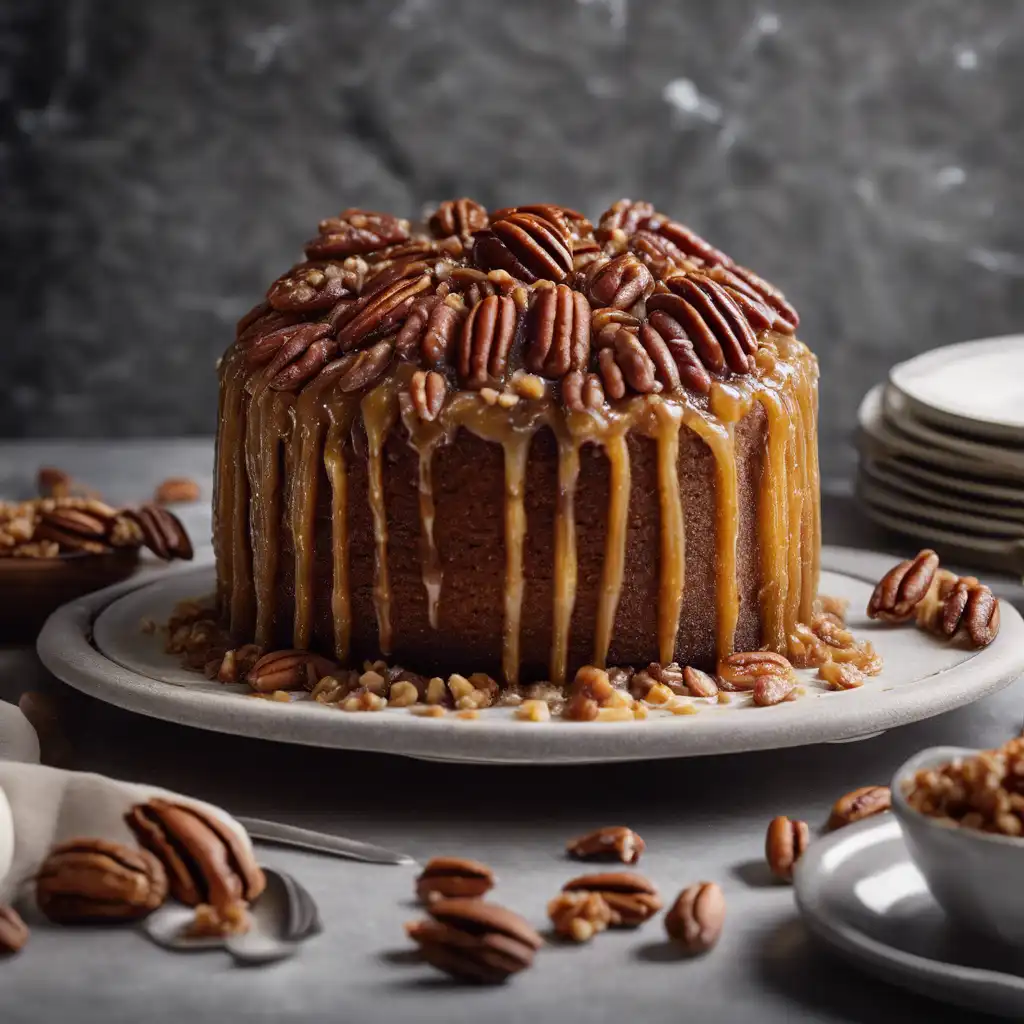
(162, 161)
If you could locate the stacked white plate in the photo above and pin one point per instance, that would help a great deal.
(942, 452)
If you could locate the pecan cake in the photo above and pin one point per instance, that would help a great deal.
(516, 443)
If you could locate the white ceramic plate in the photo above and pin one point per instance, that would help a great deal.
(880, 438)
(858, 890)
(922, 677)
(976, 387)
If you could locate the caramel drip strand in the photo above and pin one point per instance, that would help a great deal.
(341, 599)
(673, 535)
(430, 558)
(565, 567)
(379, 409)
(811, 531)
(617, 452)
(517, 449)
(794, 460)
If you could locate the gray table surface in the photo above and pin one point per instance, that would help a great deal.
(702, 819)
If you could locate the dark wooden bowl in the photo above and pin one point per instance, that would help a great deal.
(31, 588)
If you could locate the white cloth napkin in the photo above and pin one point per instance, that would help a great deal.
(42, 806)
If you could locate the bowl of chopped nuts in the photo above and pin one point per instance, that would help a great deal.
(962, 815)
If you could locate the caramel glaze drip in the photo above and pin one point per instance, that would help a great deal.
(789, 515)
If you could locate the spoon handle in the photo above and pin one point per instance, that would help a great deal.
(320, 842)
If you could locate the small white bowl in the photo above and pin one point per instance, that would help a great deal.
(977, 877)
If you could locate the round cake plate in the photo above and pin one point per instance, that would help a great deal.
(96, 644)
(858, 890)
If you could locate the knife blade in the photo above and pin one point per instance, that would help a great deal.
(320, 842)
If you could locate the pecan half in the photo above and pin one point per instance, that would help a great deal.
(720, 332)
(666, 369)
(625, 216)
(486, 340)
(266, 324)
(570, 222)
(475, 940)
(660, 255)
(860, 804)
(903, 588)
(619, 283)
(176, 490)
(284, 344)
(380, 311)
(631, 897)
(13, 931)
(971, 607)
(625, 365)
(460, 217)
(526, 245)
(690, 370)
(772, 689)
(288, 670)
(206, 860)
(557, 332)
(784, 845)
(841, 676)
(428, 390)
(356, 231)
(74, 530)
(52, 482)
(582, 391)
(313, 286)
(696, 918)
(687, 241)
(579, 916)
(741, 670)
(305, 366)
(88, 880)
(162, 532)
(448, 877)
(355, 371)
(614, 842)
(787, 319)
(700, 684)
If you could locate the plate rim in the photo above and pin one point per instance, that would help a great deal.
(66, 650)
(879, 958)
(994, 427)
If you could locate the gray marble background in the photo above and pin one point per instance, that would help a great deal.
(160, 162)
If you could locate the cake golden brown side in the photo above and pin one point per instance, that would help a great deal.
(517, 445)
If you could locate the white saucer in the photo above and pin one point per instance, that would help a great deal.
(976, 387)
(922, 677)
(858, 890)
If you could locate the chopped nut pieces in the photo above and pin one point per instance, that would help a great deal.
(90, 880)
(475, 940)
(859, 804)
(447, 877)
(784, 846)
(615, 842)
(176, 490)
(983, 792)
(631, 897)
(579, 916)
(206, 860)
(840, 676)
(533, 711)
(700, 684)
(13, 931)
(212, 922)
(695, 919)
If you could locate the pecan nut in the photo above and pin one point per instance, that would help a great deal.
(557, 332)
(205, 859)
(579, 916)
(379, 311)
(314, 286)
(690, 371)
(741, 670)
(52, 482)
(486, 340)
(687, 241)
(903, 588)
(461, 217)
(787, 320)
(448, 877)
(89, 880)
(527, 246)
(698, 683)
(268, 323)
(614, 842)
(784, 845)
(568, 221)
(619, 283)
(582, 391)
(356, 231)
(284, 344)
(428, 389)
(696, 918)
(660, 255)
(162, 532)
(771, 689)
(625, 366)
(74, 530)
(625, 216)
(631, 897)
(176, 490)
(13, 931)
(475, 940)
(971, 608)
(432, 331)
(712, 320)
(288, 670)
(302, 367)
(860, 804)
(355, 371)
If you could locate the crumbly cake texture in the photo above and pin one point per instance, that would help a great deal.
(515, 443)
